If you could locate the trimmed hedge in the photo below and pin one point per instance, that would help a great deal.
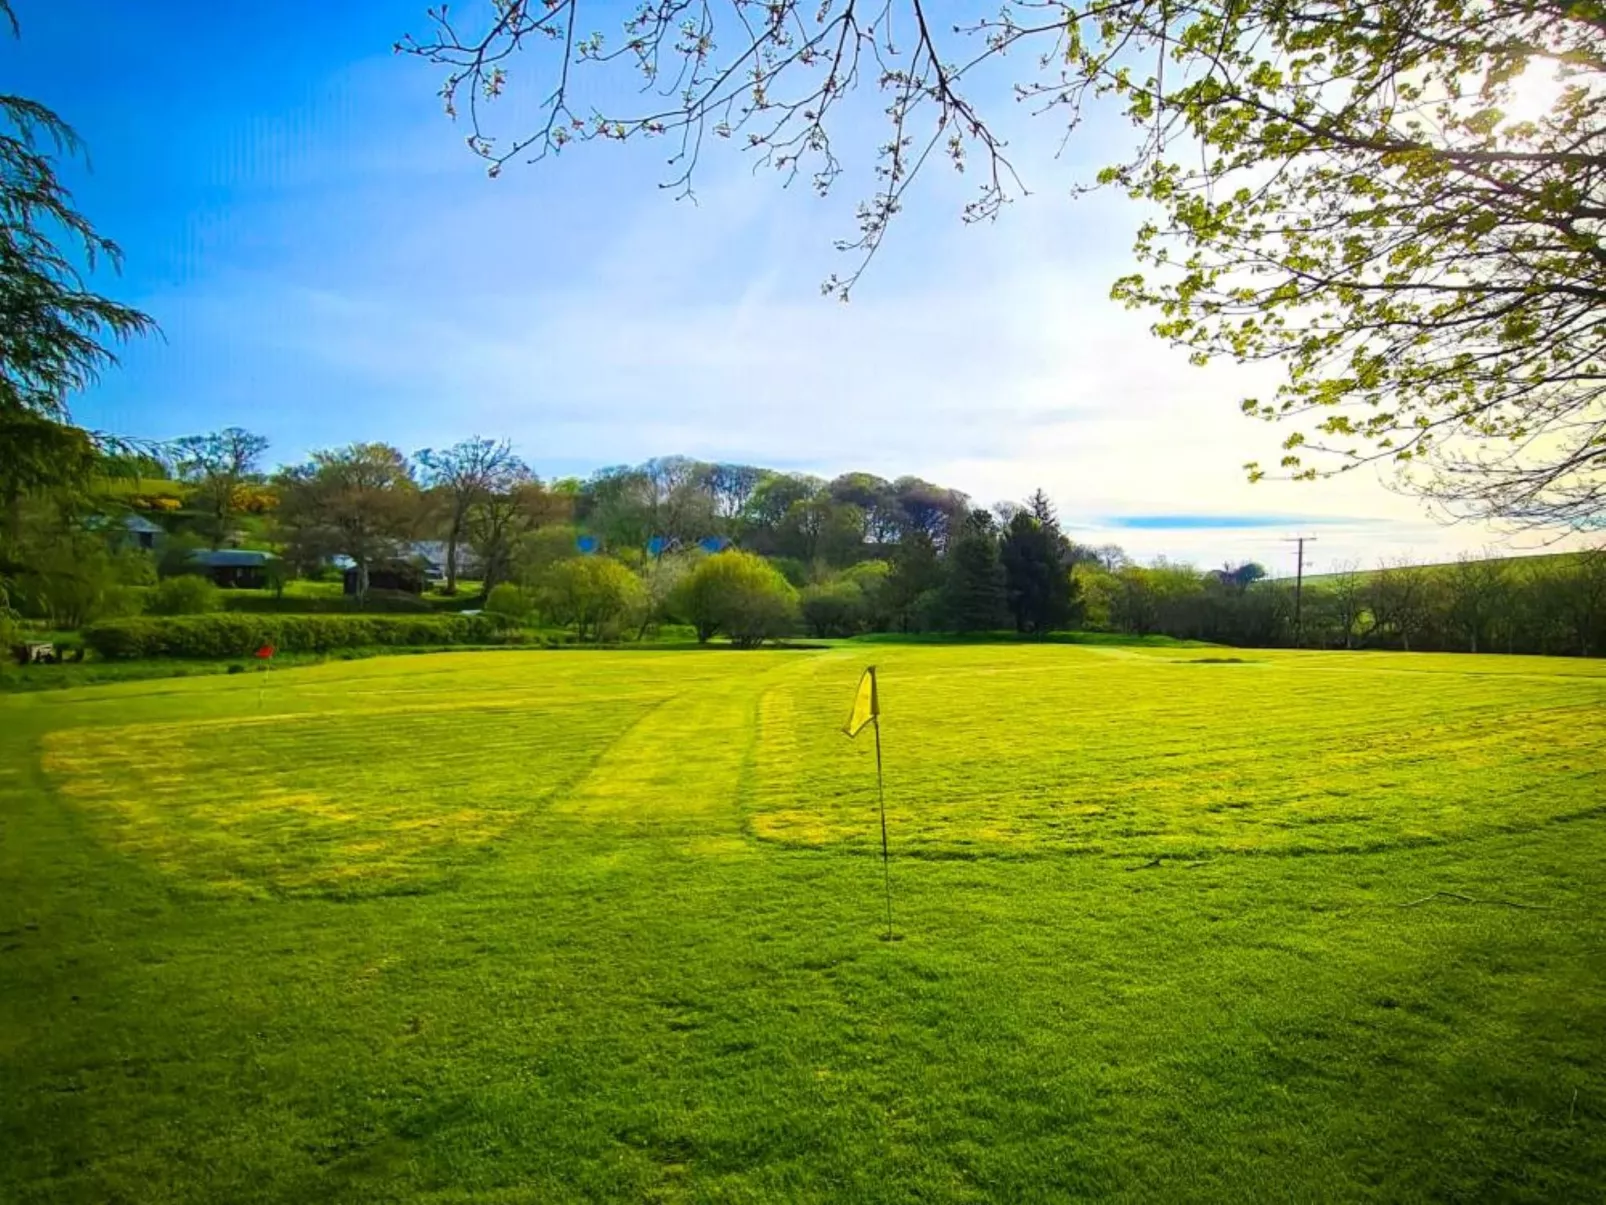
(241, 635)
(377, 602)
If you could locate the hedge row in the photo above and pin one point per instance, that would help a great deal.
(377, 601)
(242, 635)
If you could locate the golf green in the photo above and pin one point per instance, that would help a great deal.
(1186, 924)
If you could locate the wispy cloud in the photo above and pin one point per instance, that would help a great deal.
(1208, 522)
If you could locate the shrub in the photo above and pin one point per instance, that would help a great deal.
(10, 622)
(71, 579)
(135, 567)
(176, 552)
(225, 635)
(120, 601)
(740, 595)
(184, 595)
(508, 601)
(833, 610)
(591, 594)
(793, 570)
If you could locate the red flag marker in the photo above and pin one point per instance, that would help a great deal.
(264, 655)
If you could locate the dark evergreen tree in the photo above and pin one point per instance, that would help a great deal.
(1041, 509)
(916, 572)
(1039, 589)
(55, 334)
(974, 591)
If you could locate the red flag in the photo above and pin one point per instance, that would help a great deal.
(265, 653)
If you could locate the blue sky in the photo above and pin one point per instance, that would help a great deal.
(329, 264)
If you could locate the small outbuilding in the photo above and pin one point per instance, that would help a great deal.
(234, 568)
(405, 576)
(127, 531)
(142, 533)
(430, 557)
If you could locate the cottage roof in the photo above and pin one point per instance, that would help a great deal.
(239, 558)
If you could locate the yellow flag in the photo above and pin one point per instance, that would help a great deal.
(866, 706)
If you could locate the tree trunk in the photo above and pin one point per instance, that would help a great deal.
(494, 575)
(451, 557)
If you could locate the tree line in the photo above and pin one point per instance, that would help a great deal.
(1546, 604)
(748, 553)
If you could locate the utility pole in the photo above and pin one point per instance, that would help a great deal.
(1299, 587)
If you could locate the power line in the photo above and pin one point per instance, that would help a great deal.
(1299, 586)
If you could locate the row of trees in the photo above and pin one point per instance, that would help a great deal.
(990, 576)
(1022, 574)
(1545, 605)
(478, 495)
(614, 554)
(1552, 605)
(867, 552)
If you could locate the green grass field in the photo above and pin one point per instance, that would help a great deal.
(589, 925)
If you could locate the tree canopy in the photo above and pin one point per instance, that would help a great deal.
(467, 475)
(357, 501)
(976, 600)
(56, 334)
(1369, 195)
(737, 594)
(220, 462)
(1038, 587)
(590, 593)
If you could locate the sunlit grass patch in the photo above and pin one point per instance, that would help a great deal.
(609, 926)
(372, 800)
(380, 782)
(1149, 752)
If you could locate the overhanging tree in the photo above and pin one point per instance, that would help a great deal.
(1350, 190)
(56, 335)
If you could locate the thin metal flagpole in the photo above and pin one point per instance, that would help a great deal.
(881, 790)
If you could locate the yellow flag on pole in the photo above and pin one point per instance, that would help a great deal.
(867, 710)
(866, 705)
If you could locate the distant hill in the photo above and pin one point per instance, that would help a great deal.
(1526, 560)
